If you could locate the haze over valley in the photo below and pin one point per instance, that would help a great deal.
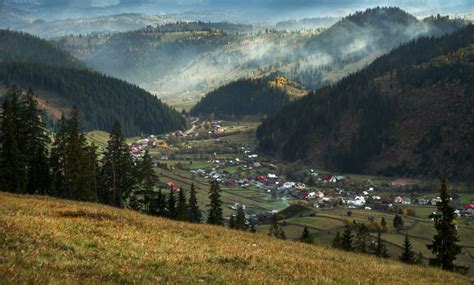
(236, 142)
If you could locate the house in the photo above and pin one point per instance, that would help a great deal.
(435, 201)
(272, 176)
(304, 195)
(469, 206)
(328, 177)
(398, 200)
(423, 201)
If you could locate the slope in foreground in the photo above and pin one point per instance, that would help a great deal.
(45, 240)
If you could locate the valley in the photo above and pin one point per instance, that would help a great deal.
(184, 142)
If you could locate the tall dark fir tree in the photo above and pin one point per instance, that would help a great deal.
(73, 162)
(215, 216)
(35, 144)
(408, 255)
(117, 170)
(195, 215)
(444, 246)
(13, 164)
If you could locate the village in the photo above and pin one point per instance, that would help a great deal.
(239, 167)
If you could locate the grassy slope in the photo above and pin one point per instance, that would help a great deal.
(44, 240)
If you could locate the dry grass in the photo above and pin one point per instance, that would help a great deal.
(45, 240)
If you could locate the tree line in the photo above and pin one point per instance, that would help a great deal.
(242, 97)
(95, 94)
(68, 166)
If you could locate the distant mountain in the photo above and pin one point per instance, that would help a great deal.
(187, 60)
(408, 113)
(243, 97)
(94, 25)
(62, 81)
(307, 23)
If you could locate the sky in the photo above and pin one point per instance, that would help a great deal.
(253, 10)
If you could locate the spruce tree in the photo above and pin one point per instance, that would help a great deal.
(398, 222)
(444, 246)
(231, 224)
(337, 241)
(347, 240)
(35, 141)
(148, 177)
(240, 219)
(182, 207)
(13, 164)
(57, 160)
(381, 249)
(117, 170)
(306, 236)
(171, 205)
(362, 236)
(215, 216)
(195, 215)
(408, 256)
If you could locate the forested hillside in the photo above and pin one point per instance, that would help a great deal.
(242, 97)
(192, 59)
(102, 99)
(408, 113)
(22, 47)
(61, 81)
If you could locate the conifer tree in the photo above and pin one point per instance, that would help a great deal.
(13, 164)
(35, 141)
(398, 222)
(182, 207)
(444, 246)
(57, 160)
(231, 224)
(276, 229)
(148, 177)
(117, 170)
(408, 256)
(362, 235)
(240, 219)
(337, 241)
(306, 236)
(381, 249)
(195, 215)
(347, 240)
(171, 205)
(215, 216)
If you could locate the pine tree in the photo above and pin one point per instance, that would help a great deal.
(116, 174)
(35, 141)
(408, 256)
(240, 219)
(215, 216)
(346, 240)
(306, 236)
(381, 249)
(182, 207)
(398, 222)
(13, 164)
(171, 205)
(444, 246)
(195, 215)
